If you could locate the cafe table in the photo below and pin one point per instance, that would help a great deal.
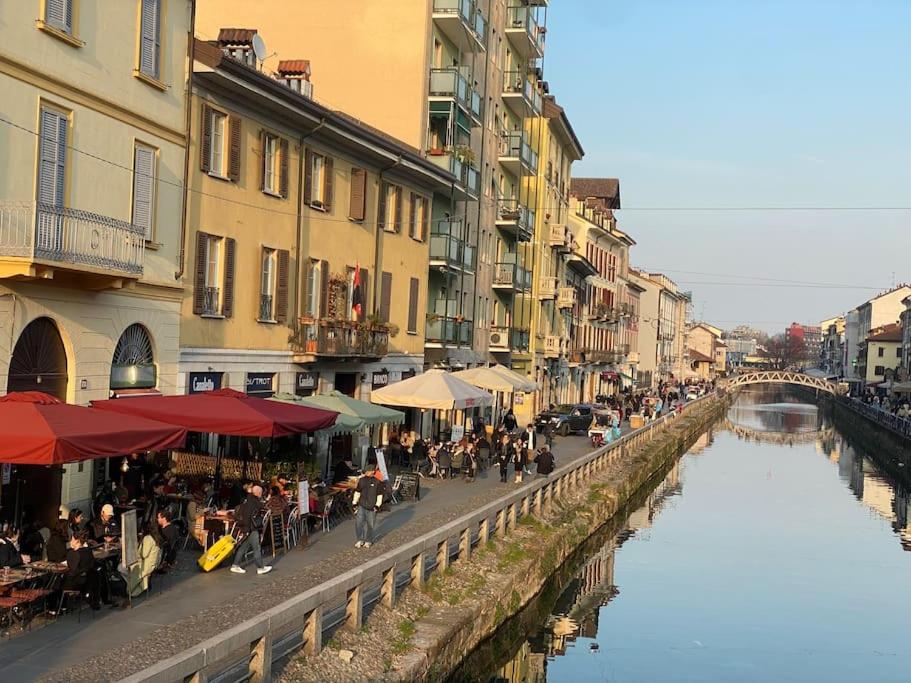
(11, 576)
(225, 517)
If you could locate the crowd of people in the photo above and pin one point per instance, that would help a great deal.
(899, 406)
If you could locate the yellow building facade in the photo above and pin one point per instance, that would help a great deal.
(93, 147)
(307, 246)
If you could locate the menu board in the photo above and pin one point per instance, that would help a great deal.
(303, 497)
(129, 538)
(410, 487)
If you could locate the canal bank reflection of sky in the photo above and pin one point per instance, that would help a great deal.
(774, 565)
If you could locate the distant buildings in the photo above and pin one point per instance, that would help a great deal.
(831, 355)
(883, 309)
(809, 335)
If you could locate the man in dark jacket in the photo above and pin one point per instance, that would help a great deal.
(367, 500)
(249, 519)
(545, 461)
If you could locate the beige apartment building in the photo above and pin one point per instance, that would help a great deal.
(308, 235)
(93, 149)
(461, 81)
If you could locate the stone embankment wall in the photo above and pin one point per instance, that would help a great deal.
(429, 631)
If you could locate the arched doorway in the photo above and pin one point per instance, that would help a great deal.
(38, 363)
(133, 364)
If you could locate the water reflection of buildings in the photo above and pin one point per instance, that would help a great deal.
(575, 613)
(887, 498)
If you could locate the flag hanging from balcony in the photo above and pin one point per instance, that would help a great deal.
(357, 298)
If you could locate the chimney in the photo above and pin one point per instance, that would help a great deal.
(295, 74)
(237, 43)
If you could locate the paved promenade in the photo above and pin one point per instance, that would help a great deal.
(195, 606)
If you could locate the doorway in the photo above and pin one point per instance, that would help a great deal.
(346, 383)
(38, 363)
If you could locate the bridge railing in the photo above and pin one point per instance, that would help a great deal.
(247, 651)
(894, 423)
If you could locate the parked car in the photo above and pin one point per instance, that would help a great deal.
(566, 418)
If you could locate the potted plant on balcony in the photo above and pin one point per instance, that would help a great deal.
(464, 154)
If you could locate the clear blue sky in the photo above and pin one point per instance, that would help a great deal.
(748, 103)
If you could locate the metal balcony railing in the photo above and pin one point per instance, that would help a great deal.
(71, 237)
(265, 307)
(340, 338)
(523, 17)
(212, 301)
(510, 274)
(512, 145)
(468, 12)
(447, 330)
(512, 211)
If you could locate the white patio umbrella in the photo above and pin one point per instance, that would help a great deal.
(522, 383)
(488, 378)
(432, 390)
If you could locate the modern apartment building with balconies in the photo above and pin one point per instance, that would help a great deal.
(461, 81)
(93, 145)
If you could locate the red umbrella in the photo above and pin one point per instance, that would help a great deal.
(38, 429)
(225, 411)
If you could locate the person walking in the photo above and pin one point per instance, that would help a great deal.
(518, 459)
(249, 517)
(509, 421)
(503, 457)
(367, 500)
(531, 443)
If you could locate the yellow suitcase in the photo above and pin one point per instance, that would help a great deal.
(215, 555)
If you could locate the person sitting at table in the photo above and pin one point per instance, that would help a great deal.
(105, 526)
(170, 537)
(57, 543)
(9, 551)
(76, 521)
(419, 455)
(444, 459)
(343, 469)
(149, 554)
(80, 569)
(276, 503)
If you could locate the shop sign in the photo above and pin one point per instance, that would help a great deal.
(306, 383)
(260, 384)
(380, 379)
(608, 376)
(198, 382)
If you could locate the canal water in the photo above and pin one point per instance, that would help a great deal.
(774, 550)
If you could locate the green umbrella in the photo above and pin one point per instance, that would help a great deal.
(370, 413)
(344, 423)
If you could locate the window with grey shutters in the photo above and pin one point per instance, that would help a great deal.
(59, 14)
(150, 38)
(143, 189)
(51, 181)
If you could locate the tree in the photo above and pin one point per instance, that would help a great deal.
(784, 352)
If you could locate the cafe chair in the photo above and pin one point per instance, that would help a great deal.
(295, 528)
(396, 487)
(70, 599)
(13, 610)
(324, 517)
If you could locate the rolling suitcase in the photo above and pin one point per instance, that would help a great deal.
(217, 554)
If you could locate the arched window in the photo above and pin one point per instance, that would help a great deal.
(133, 365)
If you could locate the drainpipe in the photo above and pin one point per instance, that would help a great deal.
(188, 101)
(300, 210)
(379, 230)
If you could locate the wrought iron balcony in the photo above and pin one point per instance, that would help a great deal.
(40, 236)
(340, 339)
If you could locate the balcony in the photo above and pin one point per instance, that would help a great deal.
(547, 288)
(566, 297)
(450, 252)
(339, 339)
(511, 276)
(523, 31)
(520, 94)
(560, 239)
(41, 240)
(506, 338)
(462, 23)
(516, 155)
(451, 84)
(515, 218)
(442, 331)
(553, 346)
(468, 186)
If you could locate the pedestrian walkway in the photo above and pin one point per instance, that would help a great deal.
(194, 606)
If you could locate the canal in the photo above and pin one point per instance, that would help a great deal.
(773, 550)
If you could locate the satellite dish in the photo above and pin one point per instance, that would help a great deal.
(259, 47)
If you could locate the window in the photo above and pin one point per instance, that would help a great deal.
(314, 286)
(150, 39)
(418, 219)
(391, 207)
(318, 181)
(898, 352)
(413, 292)
(880, 351)
(270, 159)
(59, 14)
(218, 124)
(267, 286)
(52, 157)
(357, 199)
(879, 370)
(144, 159)
(213, 293)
